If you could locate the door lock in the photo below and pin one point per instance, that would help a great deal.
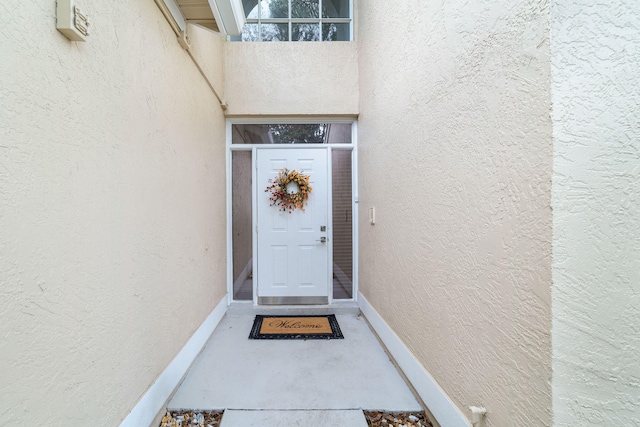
(323, 239)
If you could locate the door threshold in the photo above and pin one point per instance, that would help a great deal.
(322, 300)
(242, 308)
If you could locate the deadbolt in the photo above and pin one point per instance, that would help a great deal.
(323, 228)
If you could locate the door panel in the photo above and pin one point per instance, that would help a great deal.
(292, 262)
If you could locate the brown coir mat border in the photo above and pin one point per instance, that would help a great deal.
(293, 331)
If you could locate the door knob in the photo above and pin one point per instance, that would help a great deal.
(323, 239)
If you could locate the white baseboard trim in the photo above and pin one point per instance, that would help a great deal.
(443, 409)
(153, 401)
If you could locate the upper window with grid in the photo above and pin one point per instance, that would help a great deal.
(296, 20)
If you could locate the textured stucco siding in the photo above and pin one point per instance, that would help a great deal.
(112, 210)
(207, 49)
(596, 199)
(287, 78)
(455, 154)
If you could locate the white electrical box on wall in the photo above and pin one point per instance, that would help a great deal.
(71, 22)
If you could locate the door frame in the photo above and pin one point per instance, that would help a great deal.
(254, 190)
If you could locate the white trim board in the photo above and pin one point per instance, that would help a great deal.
(156, 397)
(443, 409)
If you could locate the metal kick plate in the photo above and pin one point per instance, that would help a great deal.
(317, 300)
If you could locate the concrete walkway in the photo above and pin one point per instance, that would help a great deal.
(293, 382)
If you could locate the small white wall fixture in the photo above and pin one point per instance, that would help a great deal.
(71, 22)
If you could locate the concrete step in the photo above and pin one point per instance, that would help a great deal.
(292, 418)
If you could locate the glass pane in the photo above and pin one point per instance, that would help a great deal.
(305, 9)
(342, 225)
(250, 8)
(335, 9)
(274, 32)
(305, 32)
(250, 134)
(274, 9)
(241, 225)
(298, 134)
(250, 33)
(339, 133)
(323, 133)
(335, 32)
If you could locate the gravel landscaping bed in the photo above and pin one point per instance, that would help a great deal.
(374, 419)
(192, 419)
(396, 419)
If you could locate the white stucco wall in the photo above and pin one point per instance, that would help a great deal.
(596, 198)
(112, 210)
(455, 154)
(288, 78)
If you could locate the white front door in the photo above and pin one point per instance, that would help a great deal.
(292, 258)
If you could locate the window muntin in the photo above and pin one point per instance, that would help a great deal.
(296, 20)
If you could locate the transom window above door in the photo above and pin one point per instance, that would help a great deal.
(321, 133)
(297, 20)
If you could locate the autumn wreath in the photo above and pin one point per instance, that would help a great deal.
(281, 190)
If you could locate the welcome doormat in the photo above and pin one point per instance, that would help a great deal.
(295, 328)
